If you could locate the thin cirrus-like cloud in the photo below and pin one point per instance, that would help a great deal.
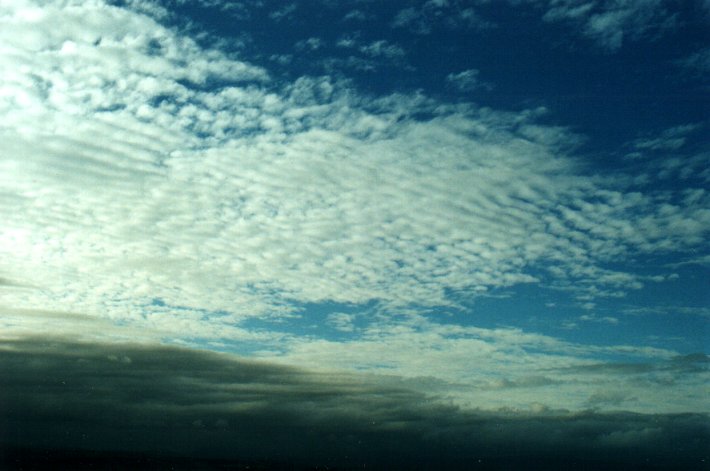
(697, 62)
(467, 81)
(610, 24)
(427, 16)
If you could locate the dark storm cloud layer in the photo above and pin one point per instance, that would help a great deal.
(63, 395)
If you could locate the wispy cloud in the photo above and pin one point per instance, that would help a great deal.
(603, 319)
(429, 15)
(611, 23)
(355, 15)
(368, 56)
(285, 12)
(382, 49)
(670, 139)
(467, 81)
(342, 321)
(698, 62)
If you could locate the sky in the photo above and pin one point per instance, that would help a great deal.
(468, 212)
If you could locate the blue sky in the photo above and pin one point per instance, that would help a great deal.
(491, 197)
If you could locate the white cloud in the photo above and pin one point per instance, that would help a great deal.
(407, 17)
(669, 140)
(139, 166)
(355, 15)
(669, 310)
(611, 23)
(702, 260)
(384, 49)
(431, 14)
(506, 367)
(467, 81)
(594, 318)
(236, 198)
(366, 56)
(699, 61)
(342, 321)
(284, 12)
(312, 44)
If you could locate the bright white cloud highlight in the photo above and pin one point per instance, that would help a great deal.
(151, 182)
(128, 178)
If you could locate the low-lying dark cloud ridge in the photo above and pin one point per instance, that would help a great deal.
(130, 406)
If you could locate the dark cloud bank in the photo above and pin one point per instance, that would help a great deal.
(70, 405)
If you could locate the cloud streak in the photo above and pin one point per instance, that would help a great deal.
(610, 24)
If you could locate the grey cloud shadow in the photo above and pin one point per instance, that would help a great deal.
(10, 283)
(63, 396)
(6, 282)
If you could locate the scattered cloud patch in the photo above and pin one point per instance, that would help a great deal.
(310, 44)
(669, 310)
(384, 49)
(703, 260)
(342, 321)
(410, 17)
(669, 140)
(284, 13)
(374, 49)
(610, 23)
(427, 16)
(355, 15)
(593, 318)
(697, 62)
(467, 81)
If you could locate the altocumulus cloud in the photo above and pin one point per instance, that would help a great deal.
(157, 186)
(154, 182)
(145, 166)
(148, 406)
